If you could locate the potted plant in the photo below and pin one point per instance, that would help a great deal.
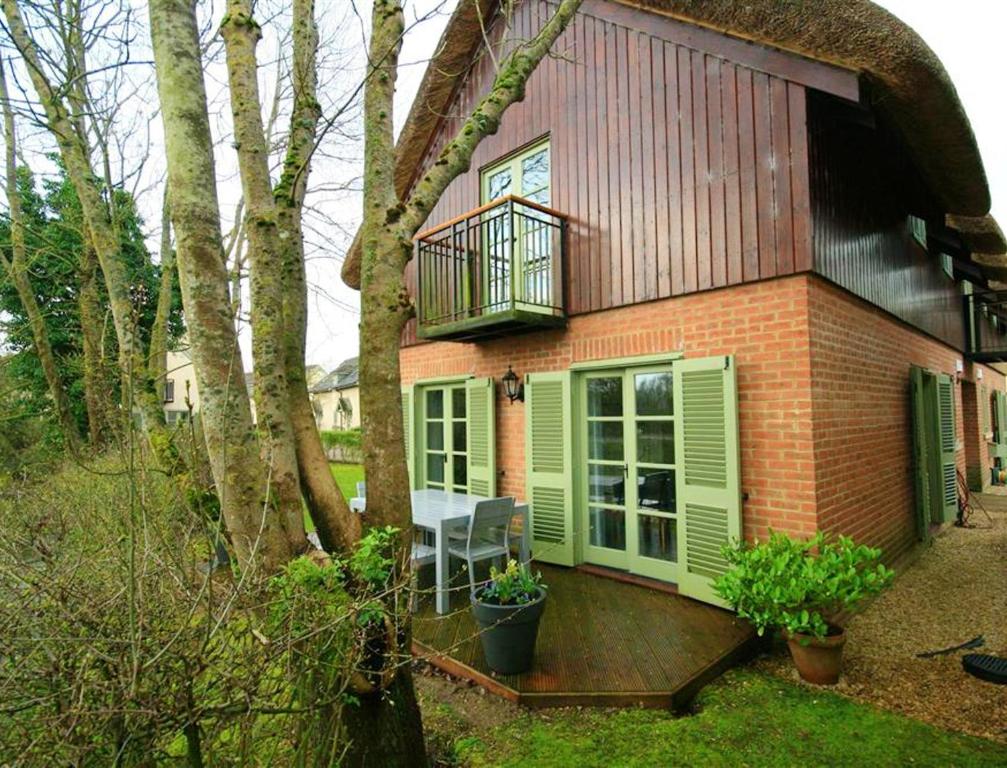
(802, 587)
(508, 609)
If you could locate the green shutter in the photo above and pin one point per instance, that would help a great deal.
(708, 474)
(984, 409)
(549, 466)
(949, 479)
(921, 463)
(481, 416)
(1001, 417)
(409, 431)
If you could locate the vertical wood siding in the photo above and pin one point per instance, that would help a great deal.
(680, 171)
(861, 191)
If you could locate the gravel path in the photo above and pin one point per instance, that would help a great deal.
(952, 593)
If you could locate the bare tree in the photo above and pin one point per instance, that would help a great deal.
(389, 223)
(66, 105)
(17, 270)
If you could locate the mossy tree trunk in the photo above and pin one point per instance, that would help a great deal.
(258, 530)
(17, 270)
(102, 420)
(74, 149)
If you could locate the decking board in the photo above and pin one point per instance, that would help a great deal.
(601, 642)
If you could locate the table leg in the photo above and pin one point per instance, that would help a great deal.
(443, 567)
(525, 547)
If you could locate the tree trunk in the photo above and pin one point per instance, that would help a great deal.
(17, 270)
(337, 527)
(241, 33)
(258, 532)
(386, 729)
(157, 349)
(101, 413)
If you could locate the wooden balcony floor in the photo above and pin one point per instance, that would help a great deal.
(601, 642)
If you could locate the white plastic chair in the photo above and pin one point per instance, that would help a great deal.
(488, 535)
(359, 502)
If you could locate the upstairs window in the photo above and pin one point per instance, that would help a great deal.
(169, 390)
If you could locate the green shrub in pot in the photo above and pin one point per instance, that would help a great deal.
(802, 586)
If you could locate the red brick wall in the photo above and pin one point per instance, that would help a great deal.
(823, 382)
(860, 362)
(764, 325)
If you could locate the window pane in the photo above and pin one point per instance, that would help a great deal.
(499, 184)
(458, 403)
(608, 528)
(656, 489)
(658, 537)
(435, 468)
(458, 435)
(604, 396)
(435, 436)
(604, 440)
(653, 394)
(606, 484)
(655, 442)
(435, 403)
(459, 471)
(535, 172)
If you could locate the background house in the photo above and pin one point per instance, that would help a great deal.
(740, 258)
(180, 388)
(336, 397)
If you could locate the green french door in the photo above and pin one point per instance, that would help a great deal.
(628, 483)
(444, 438)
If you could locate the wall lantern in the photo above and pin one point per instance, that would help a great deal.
(513, 386)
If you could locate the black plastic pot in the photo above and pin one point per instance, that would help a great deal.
(508, 633)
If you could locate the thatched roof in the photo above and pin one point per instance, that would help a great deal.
(906, 83)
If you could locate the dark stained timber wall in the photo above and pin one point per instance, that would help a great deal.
(862, 190)
(680, 169)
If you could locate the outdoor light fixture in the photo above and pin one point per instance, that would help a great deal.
(513, 386)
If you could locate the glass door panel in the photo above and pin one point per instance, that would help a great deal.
(628, 481)
(605, 452)
(652, 510)
(445, 439)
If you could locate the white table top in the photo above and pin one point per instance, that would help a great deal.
(431, 506)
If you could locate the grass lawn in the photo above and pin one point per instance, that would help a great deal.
(745, 719)
(347, 476)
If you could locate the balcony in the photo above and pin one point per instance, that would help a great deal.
(986, 326)
(494, 271)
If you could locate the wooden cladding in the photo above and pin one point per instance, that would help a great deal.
(679, 170)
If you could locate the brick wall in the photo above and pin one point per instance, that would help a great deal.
(860, 362)
(764, 325)
(823, 383)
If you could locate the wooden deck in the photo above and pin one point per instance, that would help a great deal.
(602, 642)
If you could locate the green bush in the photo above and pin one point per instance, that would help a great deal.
(349, 438)
(797, 585)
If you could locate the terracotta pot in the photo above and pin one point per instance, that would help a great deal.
(818, 661)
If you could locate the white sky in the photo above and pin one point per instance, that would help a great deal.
(966, 36)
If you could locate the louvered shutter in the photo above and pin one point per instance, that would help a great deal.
(949, 480)
(1001, 417)
(984, 409)
(549, 466)
(409, 431)
(708, 474)
(921, 465)
(481, 416)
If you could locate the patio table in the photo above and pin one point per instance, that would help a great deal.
(439, 512)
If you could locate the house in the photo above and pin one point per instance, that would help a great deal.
(739, 260)
(181, 396)
(336, 397)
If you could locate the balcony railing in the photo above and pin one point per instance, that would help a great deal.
(492, 271)
(986, 326)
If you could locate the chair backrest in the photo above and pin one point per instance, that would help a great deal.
(362, 489)
(491, 521)
(657, 490)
